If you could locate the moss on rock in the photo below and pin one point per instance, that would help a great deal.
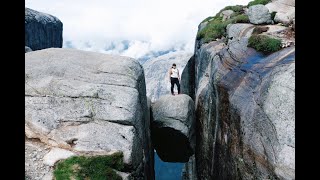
(89, 168)
(264, 44)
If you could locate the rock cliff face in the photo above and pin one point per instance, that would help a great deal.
(42, 30)
(245, 109)
(187, 78)
(85, 103)
(156, 72)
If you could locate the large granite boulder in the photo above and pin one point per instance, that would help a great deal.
(259, 14)
(156, 73)
(88, 104)
(42, 30)
(244, 105)
(285, 10)
(173, 128)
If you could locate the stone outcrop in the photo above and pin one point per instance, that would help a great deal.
(285, 10)
(42, 30)
(259, 14)
(244, 105)
(156, 73)
(226, 14)
(173, 128)
(87, 103)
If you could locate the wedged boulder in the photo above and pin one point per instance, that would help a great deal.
(89, 104)
(42, 30)
(173, 128)
(27, 49)
(259, 14)
(156, 73)
(285, 10)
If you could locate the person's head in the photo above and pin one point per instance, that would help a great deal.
(174, 65)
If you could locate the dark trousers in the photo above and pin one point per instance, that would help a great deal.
(174, 81)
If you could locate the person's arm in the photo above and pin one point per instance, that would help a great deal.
(170, 72)
(178, 74)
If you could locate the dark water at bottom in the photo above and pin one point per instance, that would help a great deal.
(165, 170)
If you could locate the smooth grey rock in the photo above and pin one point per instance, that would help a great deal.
(55, 155)
(173, 128)
(156, 73)
(27, 49)
(259, 14)
(285, 10)
(89, 103)
(226, 14)
(284, 18)
(42, 30)
(279, 106)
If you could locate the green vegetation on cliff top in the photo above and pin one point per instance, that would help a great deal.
(216, 28)
(89, 168)
(255, 2)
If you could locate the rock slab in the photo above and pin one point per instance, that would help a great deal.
(89, 104)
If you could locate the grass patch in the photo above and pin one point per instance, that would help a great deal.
(216, 28)
(236, 8)
(264, 43)
(89, 168)
(260, 29)
(242, 18)
(255, 2)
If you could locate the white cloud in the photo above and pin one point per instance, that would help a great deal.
(148, 25)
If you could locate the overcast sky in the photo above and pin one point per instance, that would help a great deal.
(132, 28)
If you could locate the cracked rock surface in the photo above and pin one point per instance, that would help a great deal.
(244, 106)
(87, 103)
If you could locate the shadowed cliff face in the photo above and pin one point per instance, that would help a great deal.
(42, 30)
(244, 109)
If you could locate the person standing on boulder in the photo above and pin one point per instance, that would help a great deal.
(174, 77)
